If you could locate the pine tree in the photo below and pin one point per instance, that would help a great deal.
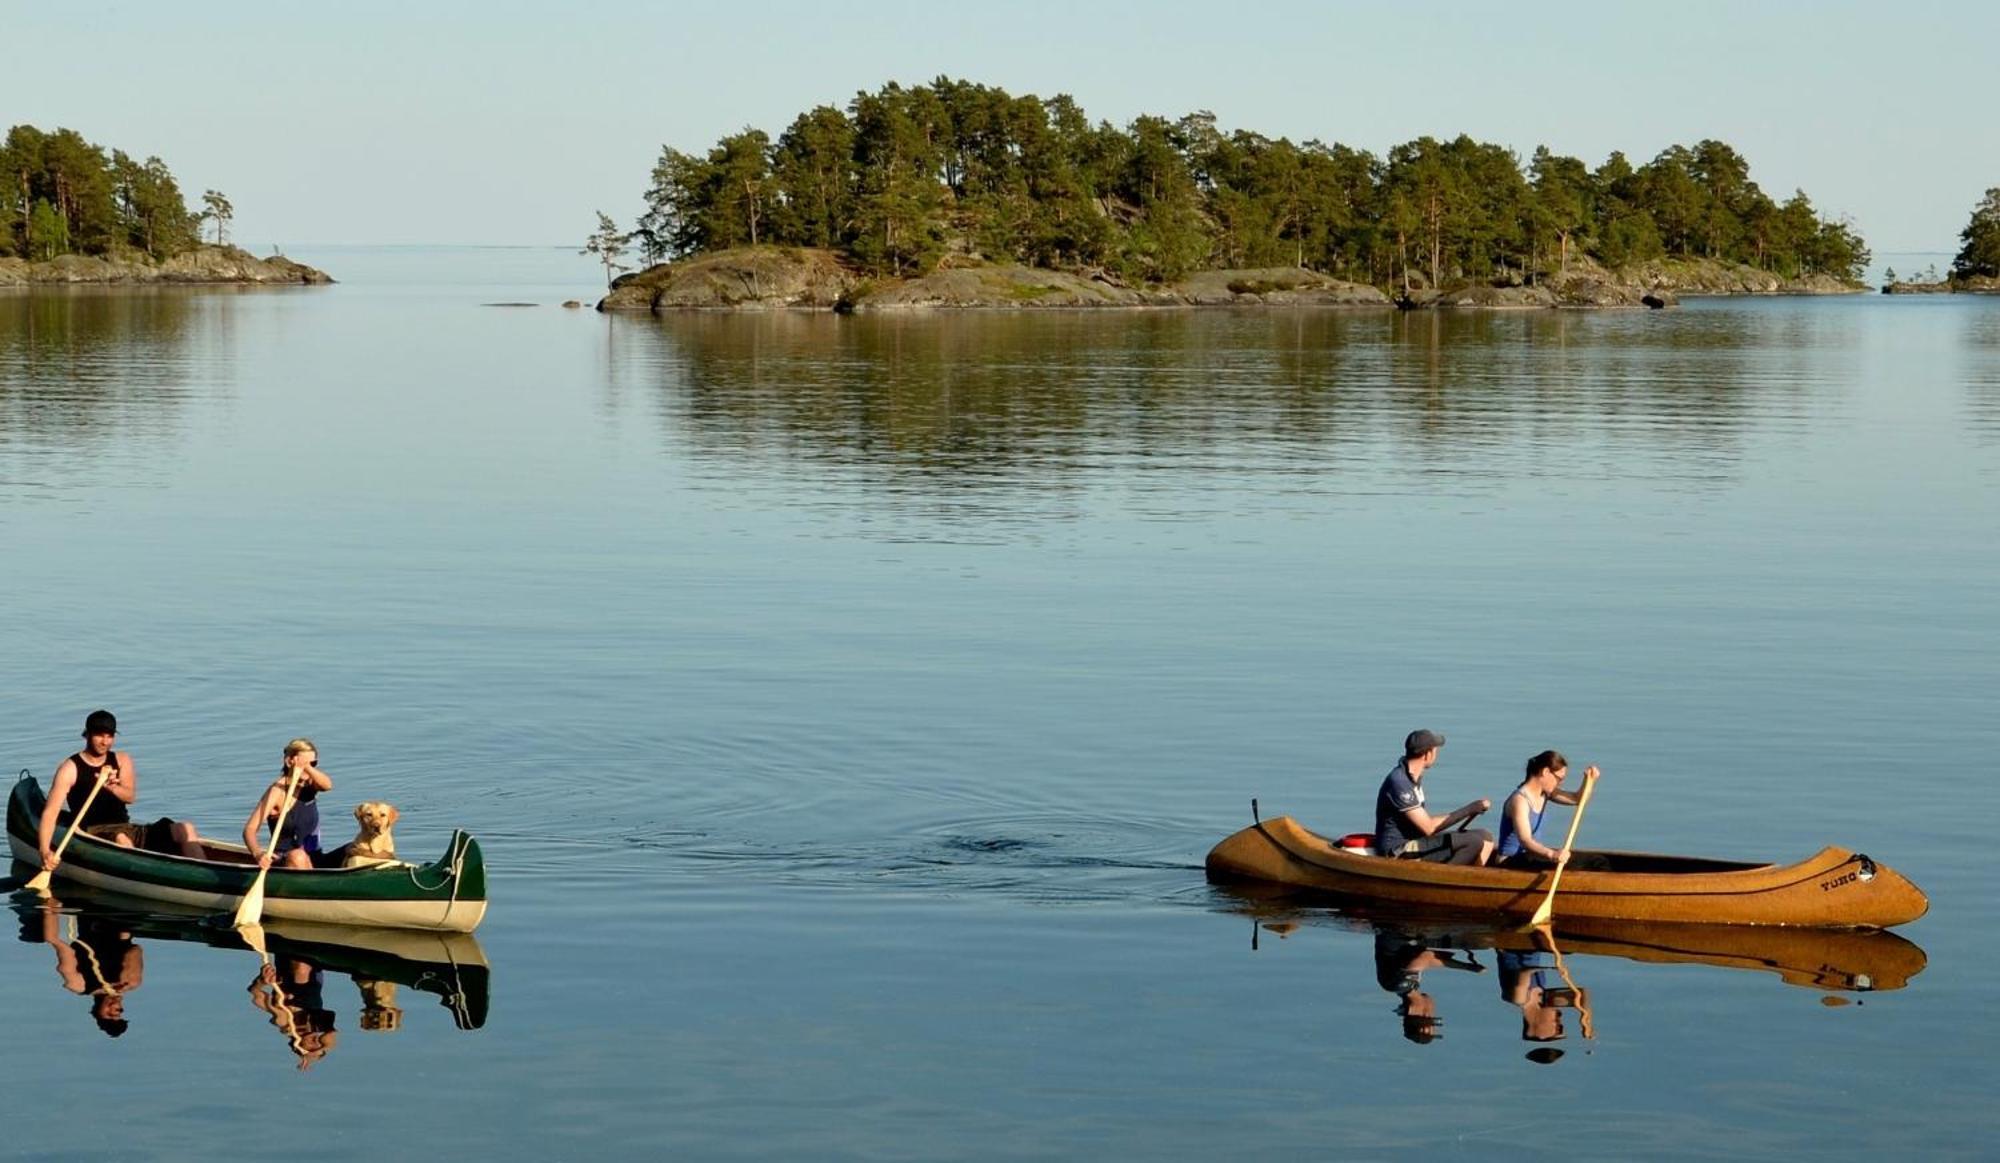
(608, 243)
(218, 211)
(1980, 256)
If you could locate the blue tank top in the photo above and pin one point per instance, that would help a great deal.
(301, 823)
(1510, 840)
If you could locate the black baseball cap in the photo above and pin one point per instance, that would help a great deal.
(100, 723)
(1418, 742)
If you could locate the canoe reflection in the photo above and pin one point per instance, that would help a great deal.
(1537, 970)
(99, 944)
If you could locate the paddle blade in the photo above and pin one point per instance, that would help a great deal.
(251, 911)
(38, 883)
(1544, 912)
(253, 936)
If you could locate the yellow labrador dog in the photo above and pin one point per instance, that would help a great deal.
(374, 845)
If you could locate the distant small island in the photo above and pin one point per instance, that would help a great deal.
(75, 213)
(1976, 269)
(960, 194)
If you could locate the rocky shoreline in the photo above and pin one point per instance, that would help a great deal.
(1977, 285)
(204, 264)
(789, 278)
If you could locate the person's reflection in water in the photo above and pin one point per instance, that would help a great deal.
(99, 960)
(1400, 960)
(1527, 982)
(289, 990)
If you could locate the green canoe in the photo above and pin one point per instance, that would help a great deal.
(447, 894)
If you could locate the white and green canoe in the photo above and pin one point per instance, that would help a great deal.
(447, 894)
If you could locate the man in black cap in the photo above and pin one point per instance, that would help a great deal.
(1405, 828)
(108, 818)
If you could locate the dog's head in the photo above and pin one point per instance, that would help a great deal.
(376, 817)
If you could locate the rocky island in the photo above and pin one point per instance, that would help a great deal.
(203, 264)
(961, 195)
(74, 212)
(808, 278)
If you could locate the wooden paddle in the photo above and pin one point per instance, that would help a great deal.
(1547, 909)
(40, 881)
(251, 911)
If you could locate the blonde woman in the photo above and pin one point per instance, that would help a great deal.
(298, 839)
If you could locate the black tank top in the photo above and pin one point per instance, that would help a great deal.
(106, 808)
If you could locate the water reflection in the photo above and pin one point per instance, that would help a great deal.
(1534, 980)
(98, 941)
(95, 958)
(1537, 971)
(290, 990)
(93, 381)
(73, 362)
(996, 400)
(1982, 371)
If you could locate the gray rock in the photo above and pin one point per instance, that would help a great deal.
(744, 278)
(204, 264)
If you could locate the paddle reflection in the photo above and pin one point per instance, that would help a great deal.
(1537, 970)
(98, 940)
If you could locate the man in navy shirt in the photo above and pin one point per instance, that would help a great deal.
(1405, 828)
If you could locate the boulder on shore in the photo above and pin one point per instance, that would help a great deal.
(1004, 285)
(744, 278)
(203, 264)
(1277, 287)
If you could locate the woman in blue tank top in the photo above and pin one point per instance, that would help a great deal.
(298, 838)
(1521, 815)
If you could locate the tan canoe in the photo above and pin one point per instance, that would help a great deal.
(1832, 889)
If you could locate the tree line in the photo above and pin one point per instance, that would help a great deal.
(902, 177)
(61, 194)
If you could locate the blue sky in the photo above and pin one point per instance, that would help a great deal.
(505, 123)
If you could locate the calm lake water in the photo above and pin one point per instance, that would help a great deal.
(846, 706)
